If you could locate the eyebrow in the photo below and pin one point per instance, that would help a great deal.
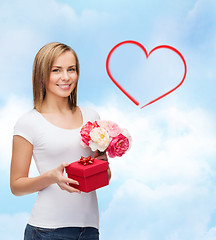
(61, 67)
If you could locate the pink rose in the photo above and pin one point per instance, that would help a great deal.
(118, 146)
(111, 127)
(85, 131)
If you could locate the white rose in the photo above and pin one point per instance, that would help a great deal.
(99, 139)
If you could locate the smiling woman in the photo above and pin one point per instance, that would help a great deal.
(55, 62)
(51, 134)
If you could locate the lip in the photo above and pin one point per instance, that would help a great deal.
(63, 86)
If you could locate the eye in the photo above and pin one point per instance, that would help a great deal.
(72, 69)
(55, 70)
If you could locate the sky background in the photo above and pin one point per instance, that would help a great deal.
(164, 187)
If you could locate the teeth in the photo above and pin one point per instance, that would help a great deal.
(64, 86)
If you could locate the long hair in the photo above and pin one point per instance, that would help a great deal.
(41, 71)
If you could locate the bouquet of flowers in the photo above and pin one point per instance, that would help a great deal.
(104, 136)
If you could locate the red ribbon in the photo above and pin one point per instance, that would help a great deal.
(85, 161)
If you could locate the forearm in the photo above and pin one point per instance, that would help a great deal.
(109, 173)
(26, 185)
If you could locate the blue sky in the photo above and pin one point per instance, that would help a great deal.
(164, 188)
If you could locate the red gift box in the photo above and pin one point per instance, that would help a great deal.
(90, 176)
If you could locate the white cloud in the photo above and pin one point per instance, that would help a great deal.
(197, 30)
(12, 226)
(211, 234)
(33, 23)
(190, 28)
(164, 187)
(169, 210)
(42, 17)
(199, 9)
(9, 114)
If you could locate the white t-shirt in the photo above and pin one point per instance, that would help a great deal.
(53, 145)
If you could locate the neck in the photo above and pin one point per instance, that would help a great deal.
(55, 105)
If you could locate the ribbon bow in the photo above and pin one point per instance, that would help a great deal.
(85, 161)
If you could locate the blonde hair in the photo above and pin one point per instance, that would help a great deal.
(41, 71)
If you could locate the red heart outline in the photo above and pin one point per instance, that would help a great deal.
(147, 55)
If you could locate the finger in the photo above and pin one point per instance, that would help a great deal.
(69, 180)
(63, 165)
(68, 188)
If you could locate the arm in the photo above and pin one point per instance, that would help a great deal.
(21, 184)
(109, 173)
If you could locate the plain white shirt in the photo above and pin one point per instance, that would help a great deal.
(53, 145)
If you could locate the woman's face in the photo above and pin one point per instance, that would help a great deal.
(63, 75)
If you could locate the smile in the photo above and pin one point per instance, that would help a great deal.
(64, 86)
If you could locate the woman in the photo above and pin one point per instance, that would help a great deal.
(51, 134)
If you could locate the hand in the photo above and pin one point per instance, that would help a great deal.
(104, 158)
(62, 181)
(100, 157)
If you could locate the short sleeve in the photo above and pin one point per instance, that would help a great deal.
(97, 116)
(90, 114)
(24, 128)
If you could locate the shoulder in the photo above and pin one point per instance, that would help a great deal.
(24, 126)
(27, 118)
(90, 113)
(27, 121)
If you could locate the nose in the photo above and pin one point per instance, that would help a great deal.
(65, 76)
